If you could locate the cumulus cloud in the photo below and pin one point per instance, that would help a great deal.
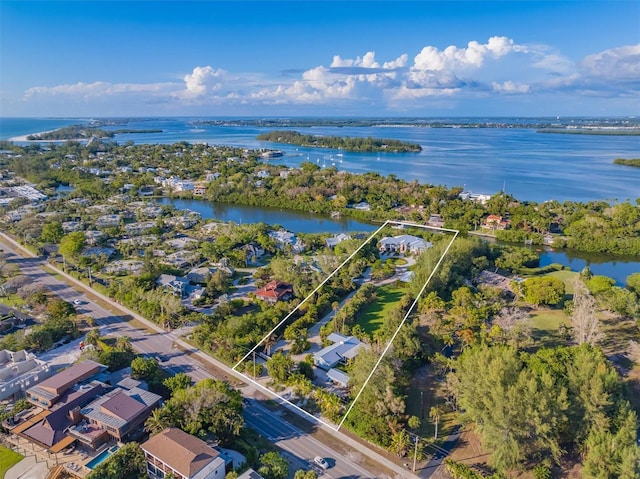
(621, 63)
(499, 66)
(474, 55)
(202, 80)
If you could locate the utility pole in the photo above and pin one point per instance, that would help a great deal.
(415, 452)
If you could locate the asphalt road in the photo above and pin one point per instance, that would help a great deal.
(300, 448)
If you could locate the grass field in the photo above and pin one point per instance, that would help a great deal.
(545, 326)
(372, 317)
(8, 459)
(567, 278)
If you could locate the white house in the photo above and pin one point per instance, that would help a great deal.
(404, 244)
(342, 349)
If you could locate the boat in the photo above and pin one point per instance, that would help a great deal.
(267, 154)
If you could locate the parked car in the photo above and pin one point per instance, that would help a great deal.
(320, 461)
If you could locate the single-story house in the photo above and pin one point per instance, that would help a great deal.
(342, 349)
(404, 244)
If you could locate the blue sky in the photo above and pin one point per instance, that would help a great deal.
(306, 58)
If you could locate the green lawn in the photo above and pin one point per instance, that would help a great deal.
(12, 300)
(568, 277)
(372, 317)
(8, 459)
(545, 326)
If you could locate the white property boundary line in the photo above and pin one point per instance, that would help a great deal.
(388, 346)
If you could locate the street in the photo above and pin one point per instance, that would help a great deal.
(300, 447)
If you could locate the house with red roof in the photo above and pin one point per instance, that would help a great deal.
(275, 291)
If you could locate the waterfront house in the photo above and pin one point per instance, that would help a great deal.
(183, 455)
(496, 222)
(335, 239)
(403, 244)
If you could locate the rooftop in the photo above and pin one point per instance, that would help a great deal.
(181, 451)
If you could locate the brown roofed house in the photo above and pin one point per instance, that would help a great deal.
(182, 454)
(49, 391)
(275, 291)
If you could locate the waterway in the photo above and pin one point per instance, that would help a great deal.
(530, 165)
(295, 221)
(615, 267)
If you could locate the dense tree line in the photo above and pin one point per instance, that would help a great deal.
(344, 143)
(528, 407)
(597, 226)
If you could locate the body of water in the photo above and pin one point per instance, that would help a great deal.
(294, 221)
(615, 267)
(531, 166)
(10, 127)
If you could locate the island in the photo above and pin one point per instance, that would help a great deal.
(343, 143)
(632, 162)
(82, 132)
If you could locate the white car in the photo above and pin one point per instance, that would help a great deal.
(77, 302)
(321, 462)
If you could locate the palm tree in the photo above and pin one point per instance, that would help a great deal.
(434, 413)
(123, 343)
(157, 421)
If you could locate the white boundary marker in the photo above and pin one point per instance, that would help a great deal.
(388, 346)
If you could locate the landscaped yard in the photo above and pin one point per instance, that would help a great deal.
(372, 317)
(568, 277)
(8, 459)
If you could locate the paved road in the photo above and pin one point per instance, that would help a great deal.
(301, 448)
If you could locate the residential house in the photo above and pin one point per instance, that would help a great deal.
(284, 238)
(199, 189)
(117, 415)
(250, 474)
(480, 198)
(50, 391)
(70, 226)
(496, 222)
(342, 349)
(253, 253)
(93, 236)
(339, 238)
(140, 228)
(108, 221)
(174, 284)
(403, 244)
(20, 370)
(275, 291)
(59, 399)
(123, 267)
(181, 259)
(183, 455)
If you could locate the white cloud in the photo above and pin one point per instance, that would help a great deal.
(473, 56)
(500, 66)
(202, 80)
(100, 89)
(621, 63)
(510, 87)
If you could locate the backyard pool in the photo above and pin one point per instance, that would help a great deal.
(103, 456)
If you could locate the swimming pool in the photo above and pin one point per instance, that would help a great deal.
(103, 456)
